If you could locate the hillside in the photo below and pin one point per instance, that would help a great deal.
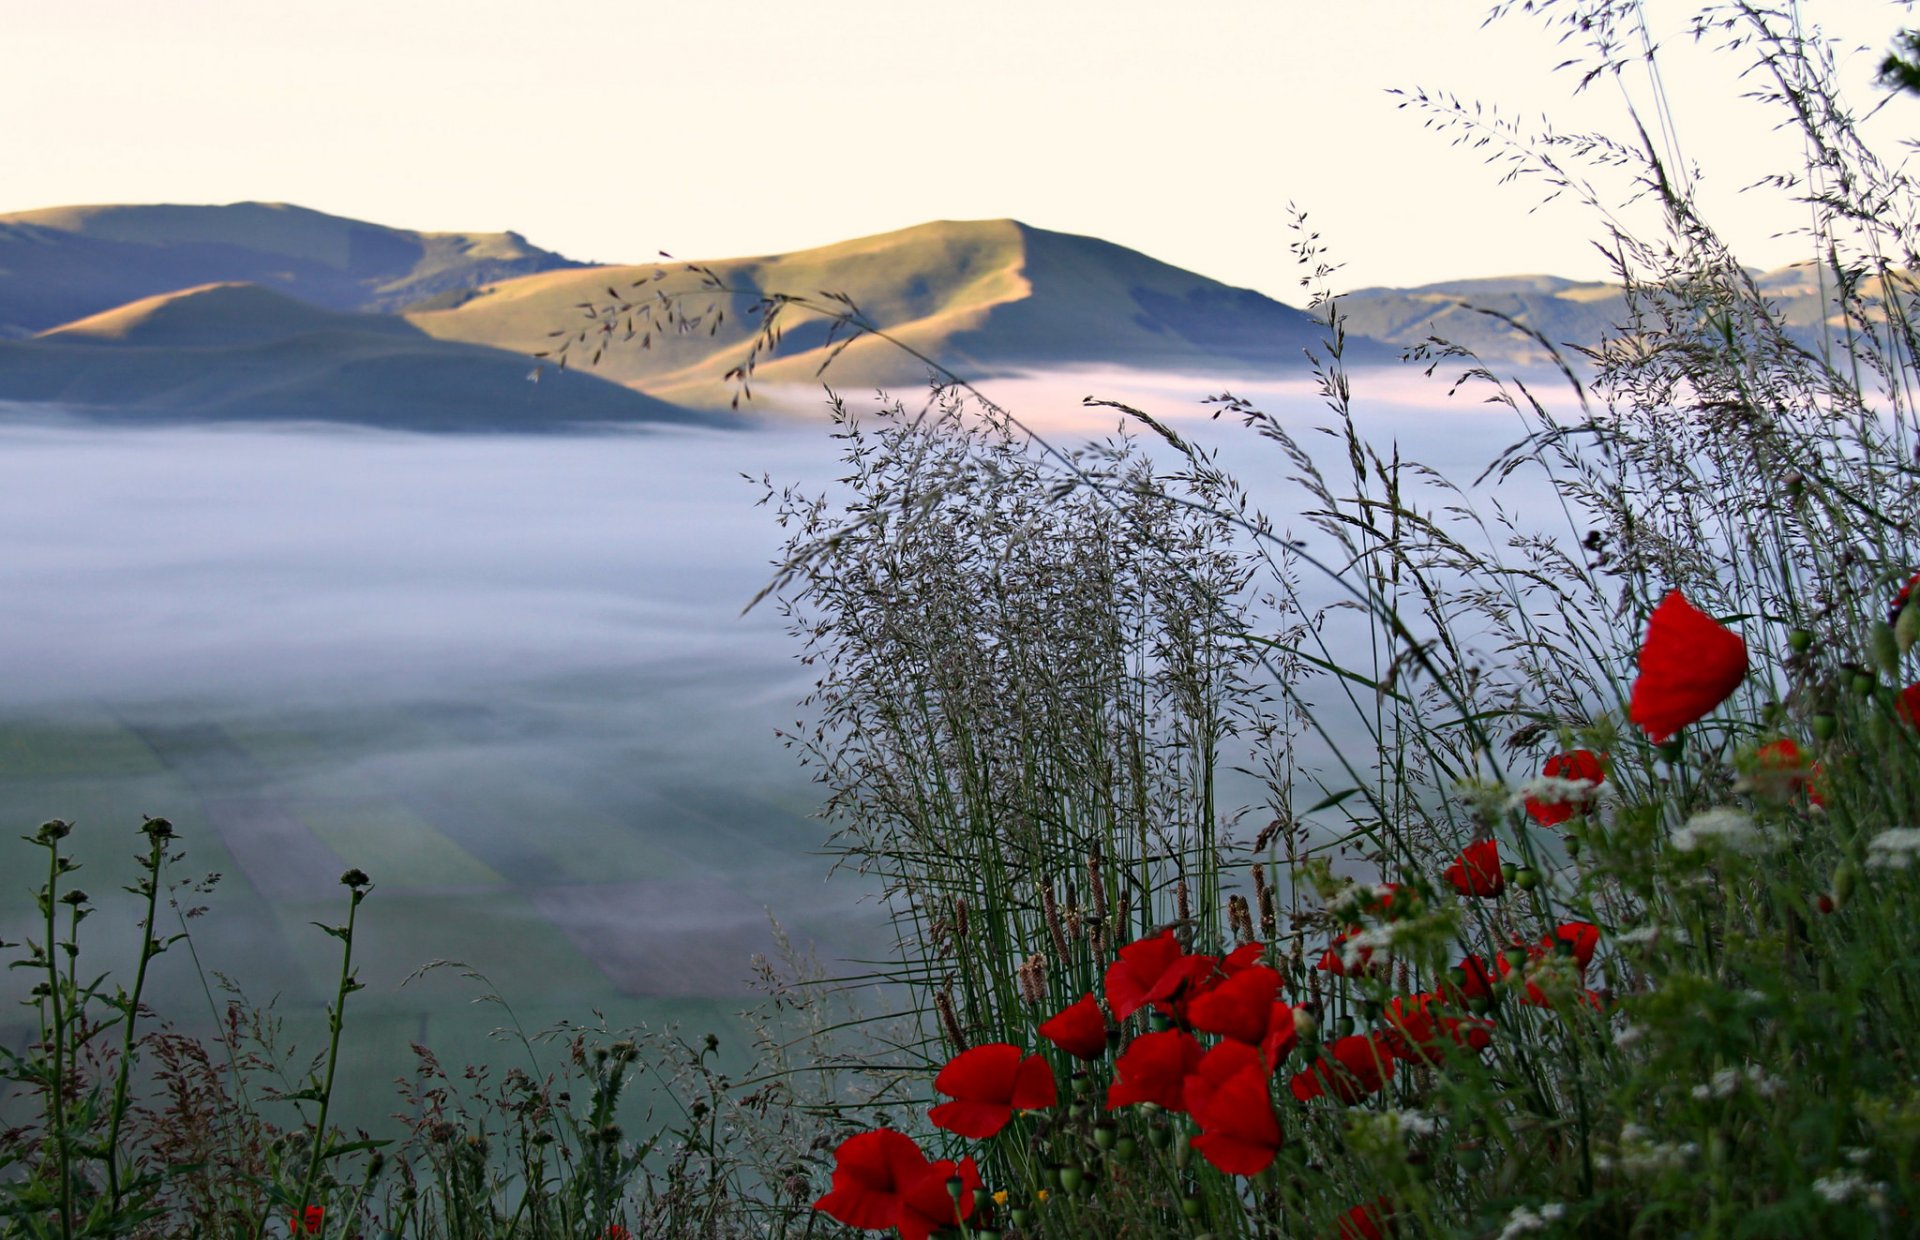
(981, 297)
(240, 352)
(65, 263)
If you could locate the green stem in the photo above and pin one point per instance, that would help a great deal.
(149, 948)
(336, 1018)
(56, 1085)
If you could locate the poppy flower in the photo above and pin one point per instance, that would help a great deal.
(615, 1231)
(1241, 958)
(871, 1173)
(1334, 959)
(1079, 1029)
(1356, 1066)
(1475, 981)
(1152, 971)
(1369, 1221)
(1239, 1133)
(1240, 1007)
(1477, 872)
(1689, 664)
(1154, 1068)
(1907, 705)
(930, 1202)
(1584, 938)
(1780, 766)
(1579, 765)
(988, 1084)
(1901, 599)
(1419, 1022)
(308, 1221)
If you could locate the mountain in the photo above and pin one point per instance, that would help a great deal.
(65, 263)
(239, 351)
(982, 297)
(1566, 312)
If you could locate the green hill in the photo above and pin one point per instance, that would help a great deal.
(64, 263)
(982, 297)
(239, 352)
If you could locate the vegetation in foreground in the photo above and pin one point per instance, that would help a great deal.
(1575, 899)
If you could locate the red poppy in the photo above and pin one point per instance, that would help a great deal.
(930, 1202)
(308, 1221)
(1689, 664)
(1370, 1221)
(1156, 970)
(1580, 764)
(1907, 705)
(1154, 1068)
(1357, 1066)
(1584, 937)
(1240, 1007)
(989, 1083)
(1477, 872)
(871, 1172)
(1239, 1133)
(615, 1231)
(1420, 1022)
(1080, 1029)
(1475, 981)
(1900, 600)
(1240, 958)
(1334, 959)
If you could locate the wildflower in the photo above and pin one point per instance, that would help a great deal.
(1894, 849)
(615, 1231)
(1079, 1029)
(881, 1179)
(1239, 1132)
(1477, 872)
(940, 1198)
(1154, 1068)
(1907, 705)
(1416, 1029)
(1582, 936)
(989, 1083)
(1240, 1008)
(1153, 971)
(1475, 982)
(1844, 1186)
(1725, 828)
(1689, 664)
(1368, 1221)
(1525, 1220)
(1565, 787)
(308, 1221)
(1356, 1065)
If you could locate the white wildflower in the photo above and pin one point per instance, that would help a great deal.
(1724, 828)
(1727, 1082)
(1858, 1156)
(1552, 790)
(1648, 933)
(1628, 1035)
(1894, 849)
(1638, 1153)
(1369, 945)
(1524, 1221)
(1843, 1186)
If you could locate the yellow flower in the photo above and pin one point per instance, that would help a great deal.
(1000, 1198)
(1040, 1195)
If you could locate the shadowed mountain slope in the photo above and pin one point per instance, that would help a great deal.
(64, 263)
(981, 297)
(239, 352)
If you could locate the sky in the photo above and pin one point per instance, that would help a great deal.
(731, 127)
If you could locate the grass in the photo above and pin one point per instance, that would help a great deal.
(1421, 984)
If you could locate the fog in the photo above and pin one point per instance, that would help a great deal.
(508, 677)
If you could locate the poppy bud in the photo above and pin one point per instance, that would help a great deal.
(1800, 640)
(1305, 1023)
(1516, 956)
(1796, 483)
(1158, 1022)
(1022, 1216)
(1191, 1207)
(1470, 1157)
(1885, 644)
(1104, 1136)
(1161, 1134)
(1573, 846)
(1509, 871)
(1863, 684)
(1072, 1178)
(1126, 1149)
(1182, 1150)
(1527, 879)
(1825, 903)
(1906, 630)
(1343, 1027)
(1824, 725)
(1844, 877)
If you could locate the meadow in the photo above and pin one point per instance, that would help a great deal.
(1277, 839)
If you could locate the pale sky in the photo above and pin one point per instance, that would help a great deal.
(718, 128)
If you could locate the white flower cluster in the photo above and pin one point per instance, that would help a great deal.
(1893, 850)
(1720, 828)
(1391, 1127)
(1627, 1035)
(1727, 1082)
(1638, 1153)
(1552, 790)
(1843, 1186)
(1524, 1221)
(1377, 940)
